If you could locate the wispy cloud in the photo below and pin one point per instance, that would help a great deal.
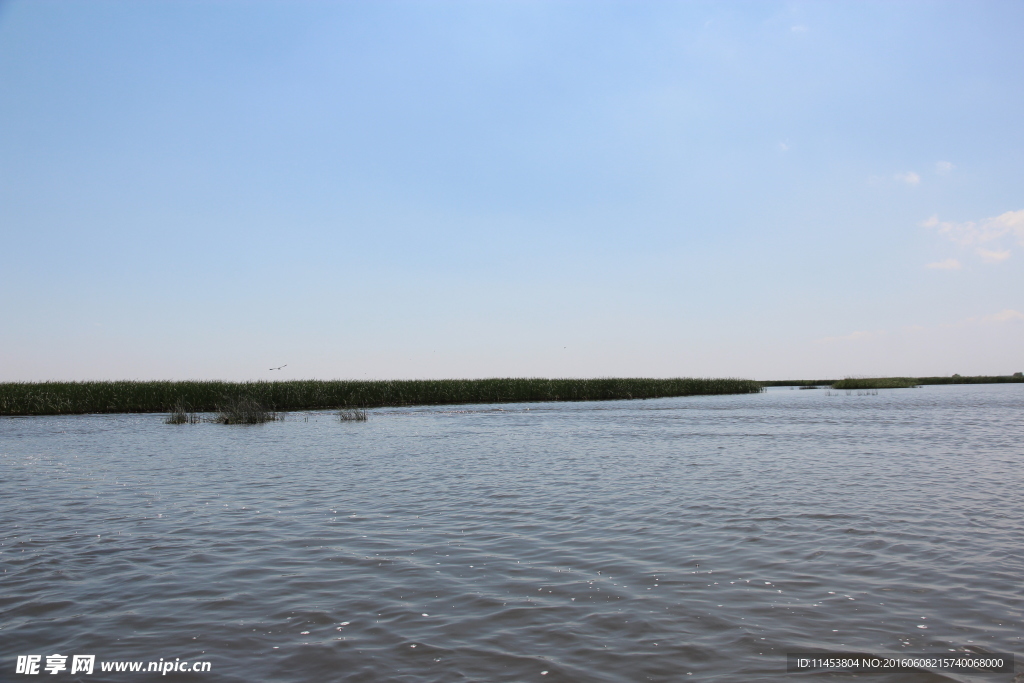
(799, 28)
(992, 256)
(971, 233)
(944, 167)
(991, 324)
(910, 178)
(783, 146)
(948, 264)
(1005, 316)
(992, 232)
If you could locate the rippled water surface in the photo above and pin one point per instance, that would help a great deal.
(694, 538)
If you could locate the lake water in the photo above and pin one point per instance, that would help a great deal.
(696, 538)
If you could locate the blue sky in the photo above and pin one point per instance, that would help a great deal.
(474, 189)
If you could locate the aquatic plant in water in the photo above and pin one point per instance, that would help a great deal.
(243, 410)
(180, 414)
(64, 398)
(876, 383)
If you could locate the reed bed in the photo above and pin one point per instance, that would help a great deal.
(181, 414)
(63, 398)
(236, 411)
(355, 415)
(1015, 378)
(876, 383)
(895, 382)
(243, 410)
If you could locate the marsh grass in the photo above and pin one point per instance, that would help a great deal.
(354, 415)
(1015, 378)
(243, 410)
(57, 398)
(66, 398)
(898, 382)
(854, 383)
(236, 410)
(180, 414)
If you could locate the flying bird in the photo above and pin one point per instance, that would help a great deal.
(283, 366)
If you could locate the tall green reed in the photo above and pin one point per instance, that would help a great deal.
(56, 398)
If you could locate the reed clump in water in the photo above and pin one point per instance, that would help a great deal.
(243, 410)
(898, 382)
(180, 414)
(354, 415)
(57, 398)
(876, 383)
(1015, 378)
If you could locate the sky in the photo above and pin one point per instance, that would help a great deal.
(771, 190)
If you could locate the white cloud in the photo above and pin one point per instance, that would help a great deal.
(948, 264)
(971, 233)
(1007, 315)
(799, 28)
(992, 256)
(783, 146)
(1013, 221)
(992, 232)
(1004, 316)
(910, 178)
(943, 167)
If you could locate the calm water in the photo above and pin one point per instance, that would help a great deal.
(677, 539)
